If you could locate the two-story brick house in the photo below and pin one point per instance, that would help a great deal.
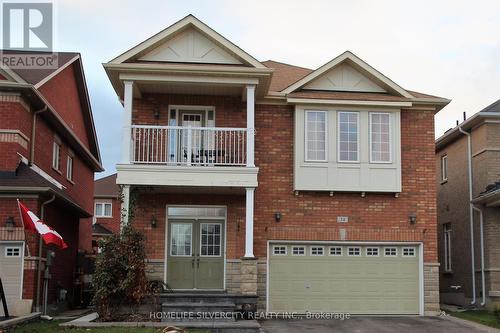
(468, 210)
(312, 189)
(48, 156)
(107, 209)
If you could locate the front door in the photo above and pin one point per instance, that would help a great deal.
(195, 256)
(192, 139)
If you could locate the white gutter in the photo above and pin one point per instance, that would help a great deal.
(471, 217)
(481, 231)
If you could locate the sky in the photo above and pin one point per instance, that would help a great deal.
(445, 48)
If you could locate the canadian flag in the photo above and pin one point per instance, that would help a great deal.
(34, 224)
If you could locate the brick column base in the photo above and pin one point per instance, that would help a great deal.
(248, 284)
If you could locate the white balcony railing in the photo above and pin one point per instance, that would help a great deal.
(191, 146)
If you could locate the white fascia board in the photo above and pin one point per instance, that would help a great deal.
(188, 79)
(347, 102)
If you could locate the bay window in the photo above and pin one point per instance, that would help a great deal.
(316, 135)
(380, 137)
(348, 138)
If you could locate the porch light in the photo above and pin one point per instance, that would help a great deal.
(157, 113)
(277, 216)
(413, 218)
(10, 223)
(153, 221)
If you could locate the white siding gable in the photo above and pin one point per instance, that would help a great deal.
(190, 46)
(344, 77)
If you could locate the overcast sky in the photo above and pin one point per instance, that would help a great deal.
(445, 48)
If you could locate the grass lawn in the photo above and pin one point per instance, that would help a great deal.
(53, 327)
(479, 316)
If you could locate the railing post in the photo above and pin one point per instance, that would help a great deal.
(189, 145)
(250, 125)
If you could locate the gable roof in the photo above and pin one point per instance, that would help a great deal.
(106, 187)
(189, 21)
(360, 65)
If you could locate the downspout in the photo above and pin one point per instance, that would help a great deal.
(481, 231)
(471, 217)
(40, 244)
(32, 143)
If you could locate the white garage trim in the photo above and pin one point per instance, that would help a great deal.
(364, 243)
(22, 244)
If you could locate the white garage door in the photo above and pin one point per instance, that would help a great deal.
(11, 271)
(352, 278)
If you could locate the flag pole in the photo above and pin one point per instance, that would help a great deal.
(24, 230)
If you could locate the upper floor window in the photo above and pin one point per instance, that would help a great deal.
(444, 167)
(56, 156)
(380, 137)
(69, 168)
(348, 143)
(447, 246)
(316, 135)
(103, 209)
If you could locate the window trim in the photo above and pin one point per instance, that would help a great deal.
(372, 248)
(69, 167)
(317, 247)
(191, 242)
(408, 255)
(444, 168)
(58, 160)
(354, 255)
(220, 240)
(447, 247)
(299, 246)
(280, 254)
(19, 254)
(358, 119)
(335, 247)
(390, 255)
(306, 157)
(103, 209)
(372, 161)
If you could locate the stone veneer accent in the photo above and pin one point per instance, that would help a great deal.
(155, 269)
(431, 288)
(248, 284)
(233, 276)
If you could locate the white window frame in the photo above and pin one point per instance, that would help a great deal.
(56, 156)
(306, 154)
(371, 248)
(447, 247)
(370, 114)
(316, 254)
(358, 120)
(354, 255)
(335, 254)
(390, 255)
(409, 255)
(104, 203)
(444, 167)
(298, 254)
(69, 168)
(12, 248)
(191, 242)
(280, 247)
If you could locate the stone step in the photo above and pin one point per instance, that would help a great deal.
(241, 326)
(208, 307)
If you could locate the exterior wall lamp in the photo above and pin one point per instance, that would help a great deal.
(153, 221)
(10, 223)
(413, 218)
(277, 216)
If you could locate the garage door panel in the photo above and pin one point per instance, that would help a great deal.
(11, 268)
(364, 284)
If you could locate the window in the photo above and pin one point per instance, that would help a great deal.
(181, 238)
(444, 168)
(279, 250)
(298, 251)
(348, 142)
(69, 168)
(315, 136)
(380, 137)
(103, 209)
(354, 251)
(447, 246)
(408, 251)
(372, 251)
(317, 250)
(335, 251)
(56, 156)
(390, 252)
(12, 251)
(211, 239)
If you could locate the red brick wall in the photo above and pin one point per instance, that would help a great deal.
(13, 116)
(111, 223)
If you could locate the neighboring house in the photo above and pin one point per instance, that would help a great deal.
(313, 189)
(48, 156)
(454, 209)
(107, 207)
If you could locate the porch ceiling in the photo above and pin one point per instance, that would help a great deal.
(186, 88)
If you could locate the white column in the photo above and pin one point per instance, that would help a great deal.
(127, 121)
(125, 205)
(250, 125)
(249, 223)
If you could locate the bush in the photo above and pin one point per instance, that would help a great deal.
(496, 314)
(120, 277)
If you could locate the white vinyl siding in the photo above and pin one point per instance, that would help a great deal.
(444, 168)
(316, 135)
(348, 137)
(380, 137)
(447, 247)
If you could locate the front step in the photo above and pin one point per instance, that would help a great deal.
(242, 326)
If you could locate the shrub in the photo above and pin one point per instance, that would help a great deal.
(120, 278)
(496, 314)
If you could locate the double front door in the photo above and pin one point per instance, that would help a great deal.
(195, 254)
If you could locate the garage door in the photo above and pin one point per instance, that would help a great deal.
(358, 279)
(11, 268)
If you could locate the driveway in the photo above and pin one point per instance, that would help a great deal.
(375, 325)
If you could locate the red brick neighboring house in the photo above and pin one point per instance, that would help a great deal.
(48, 156)
(107, 209)
(310, 189)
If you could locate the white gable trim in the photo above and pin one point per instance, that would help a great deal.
(189, 20)
(10, 74)
(358, 62)
(59, 70)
